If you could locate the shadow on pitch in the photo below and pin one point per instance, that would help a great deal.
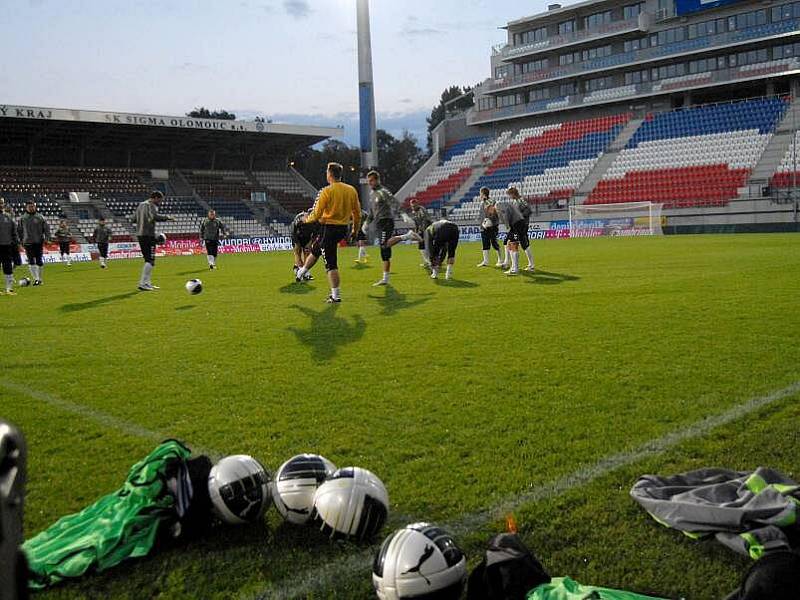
(185, 307)
(195, 272)
(456, 283)
(70, 308)
(297, 289)
(547, 277)
(393, 301)
(327, 332)
(361, 266)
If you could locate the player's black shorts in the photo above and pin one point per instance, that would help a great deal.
(63, 247)
(147, 245)
(328, 245)
(7, 259)
(34, 254)
(519, 234)
(102, 248)
(386, 229)
(212, 247)
(444, 243)
(489, 237)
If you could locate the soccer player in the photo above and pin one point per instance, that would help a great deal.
(336, 207)
(64, 238)
(304, 237)
(441, 238)
(210, 231)
(146, 217)
(9, 242)
(490, 228)
(34, 231)
(382, 210)
(421, 222)
(15, 256)
(101, 236)
(361, 239)
(511, 212)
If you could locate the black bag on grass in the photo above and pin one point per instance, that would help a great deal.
(508, 571)
(774, 576)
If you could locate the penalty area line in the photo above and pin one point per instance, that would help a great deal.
(101, 418)
(358, 564)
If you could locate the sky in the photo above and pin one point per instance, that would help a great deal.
(293, 61)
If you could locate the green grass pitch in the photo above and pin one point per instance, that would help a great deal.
(457, 394)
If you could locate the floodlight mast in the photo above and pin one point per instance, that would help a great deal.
(366, 96)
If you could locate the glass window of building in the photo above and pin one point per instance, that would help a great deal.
(597, 19)
(599, 83)
(567, 89)
(566, 27)
(632, 10)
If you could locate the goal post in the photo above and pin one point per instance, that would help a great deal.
(619, 219)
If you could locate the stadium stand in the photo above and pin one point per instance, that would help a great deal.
(443, 181)
(787, 175)
(62, 180)
(546, 163)
(286, 189)
(692, 157)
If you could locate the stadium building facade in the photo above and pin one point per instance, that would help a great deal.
(83, 165)
(688, 103)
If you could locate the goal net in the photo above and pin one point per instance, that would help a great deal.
(620, 219)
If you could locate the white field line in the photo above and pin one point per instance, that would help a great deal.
(358, 564)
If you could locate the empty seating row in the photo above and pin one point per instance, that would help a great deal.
(695, 156)
(788, 174)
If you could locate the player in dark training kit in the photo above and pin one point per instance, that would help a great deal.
(490, 229)
(361, 240)
(382, 212)
(512, 212)
(15, 256)
(305, 237)
(145, 218)
(9, 242)
(33, 231)
(211, 229)
(441, 240)
(101, 236)
(422, 220)
(64, 239)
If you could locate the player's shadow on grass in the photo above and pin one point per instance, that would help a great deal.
(361, 266)
(70, 308)
(393, 301)
(456, 283)
(327, 332)
(195, 272)
(297, 289)
(547, 277)
(185, 307)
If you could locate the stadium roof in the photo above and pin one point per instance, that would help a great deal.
(47, 128)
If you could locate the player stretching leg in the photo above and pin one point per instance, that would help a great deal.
(441, 239)
(305, 237)
(336, 206)
(210, 231)
(34, 231)
(490, 227)
(422, 220)
(511, 214)
(101, 237)
(64, 238)
(8, 243)
(382, 211)
(146, 217)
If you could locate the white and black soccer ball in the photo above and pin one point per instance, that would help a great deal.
(24, 282)
(353, 502)
(194, 286)
(419, 561)
(240, 489)
(161, 239)
(295, 483)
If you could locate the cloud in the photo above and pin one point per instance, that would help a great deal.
(406, 101)
(299, 9)
(190, 67)
(412, 28)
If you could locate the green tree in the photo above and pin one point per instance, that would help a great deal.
(202, 112)
(440, 111)
(399, 159)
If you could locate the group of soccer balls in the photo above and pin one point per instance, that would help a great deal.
(347, 503)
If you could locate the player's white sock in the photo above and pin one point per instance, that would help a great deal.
(301, 272)
(408, 236)
(210, 260)
(499, 257)
(386, 277)
(529, 254)
(335, 293)
(449, 273)
(435, 272)
(9, 283)
(39, 269)
(362, 252)
(147, 270)
(515, 260)
(506, 255)
(486, 257)
(32, 269)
